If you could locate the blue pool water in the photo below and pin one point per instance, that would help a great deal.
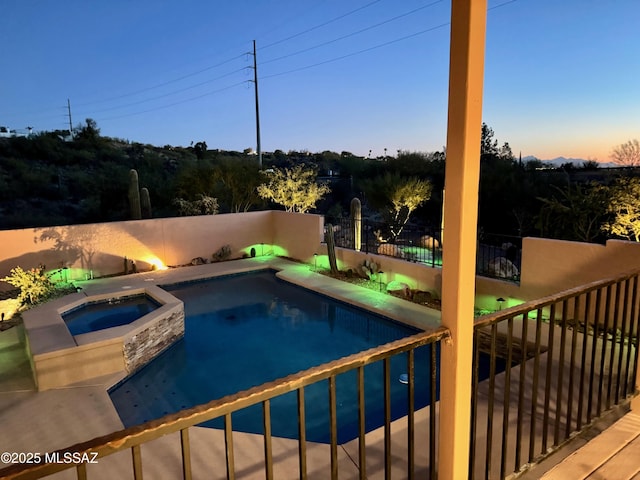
(244, 330)
(109, 313)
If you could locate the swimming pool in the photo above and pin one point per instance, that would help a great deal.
(110, 313)
(244, 330)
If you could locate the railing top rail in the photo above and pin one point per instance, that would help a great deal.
(531, 305)
(171, 423)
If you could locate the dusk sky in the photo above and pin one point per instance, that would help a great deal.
(562, 77)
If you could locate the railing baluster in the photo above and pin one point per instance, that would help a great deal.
(534, 389)
(506, 399)
(268, 452)
(474, 402)
(228, 447)
(185, 449)
(302, 435)
(558, 395)
(634, 328)
(623, 342)
(572, 364)
(548, 378)
(136, 457)
(604, 370)
(333, 427)
(81, 471)
(433, 367)
(583, 359)
(411, 405)
(387, 417)
(521, 387)
(362, 451)
(492, 393)
(594, 349)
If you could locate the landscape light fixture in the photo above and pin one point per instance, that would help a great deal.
(315, 262)
(380, 278)
(500, 301)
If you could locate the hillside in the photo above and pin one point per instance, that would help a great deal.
(47, 181)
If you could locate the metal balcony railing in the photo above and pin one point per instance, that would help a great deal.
(137, 439)
(568, 359)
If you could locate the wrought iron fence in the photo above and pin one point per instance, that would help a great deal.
(498, 256)
(567, 360)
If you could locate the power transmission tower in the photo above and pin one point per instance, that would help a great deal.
(255, 82)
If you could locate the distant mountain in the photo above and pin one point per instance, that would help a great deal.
(559, 161)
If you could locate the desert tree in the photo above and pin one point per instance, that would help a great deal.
(624, 205)
(396, 197)
(203, 205)
(575, 212)
(236, 183)
(627, 154)
(296, 188)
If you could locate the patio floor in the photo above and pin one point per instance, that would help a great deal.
(614, 454)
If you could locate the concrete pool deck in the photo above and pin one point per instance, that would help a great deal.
(32, 421)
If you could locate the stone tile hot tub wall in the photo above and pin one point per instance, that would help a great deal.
(59, 359)
(143, 346)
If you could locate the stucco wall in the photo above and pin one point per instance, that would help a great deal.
(550, 266)
(99, 249)
(299, 239)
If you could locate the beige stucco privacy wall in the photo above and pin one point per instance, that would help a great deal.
(297, 239)
(550, 266)
(99, 249)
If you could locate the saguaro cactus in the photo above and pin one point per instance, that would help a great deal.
(134, 195)
(145, 203)
(331, 247)
(356, 223)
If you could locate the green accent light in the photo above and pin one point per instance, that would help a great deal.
(266, 249)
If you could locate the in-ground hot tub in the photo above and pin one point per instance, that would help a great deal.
(60, 357)
(114, 312)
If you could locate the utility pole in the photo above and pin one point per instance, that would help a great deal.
(255, 82)
(70, 123)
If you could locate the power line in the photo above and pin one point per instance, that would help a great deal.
(320, 25)
(168, 82)
(331, 60)
(176, 103)
(375, 47)
(501, 5)
(174, 92)
(371, 27)
(192, 74)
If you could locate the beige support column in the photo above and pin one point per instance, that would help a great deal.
(462, 173)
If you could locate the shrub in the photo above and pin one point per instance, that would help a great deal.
(35, 286)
